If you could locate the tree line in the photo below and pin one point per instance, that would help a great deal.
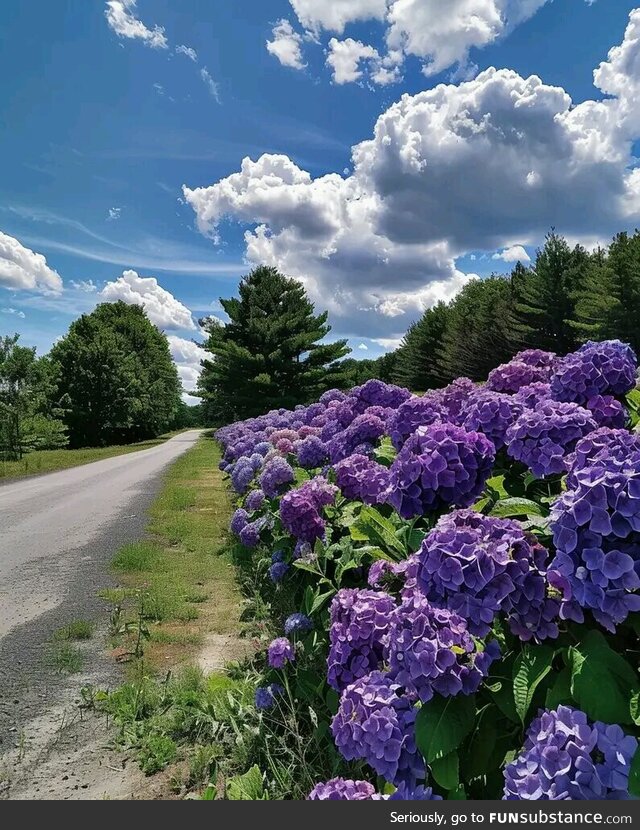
(566, 296)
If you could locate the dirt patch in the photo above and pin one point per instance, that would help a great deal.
(220, 649)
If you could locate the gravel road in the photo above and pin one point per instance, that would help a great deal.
(58, 533)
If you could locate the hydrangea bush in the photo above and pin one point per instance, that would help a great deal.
(449, 584)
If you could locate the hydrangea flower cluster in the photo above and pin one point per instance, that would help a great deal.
(607, 411)
(413, 413)
(277, 473)
(375, 723)
(281, 652)
(265, 697)
(478, 566)
(358, 635)
(512, 376)
(491, 413)
(312, 452)
(607, 368)
(602, 445)
(297, 624)
(454, 398)
(567, 758)
(366, 430)
(441, 465)
(300, 509)
(595, 528)
(250, 533)
(361, 479)
(431, 651)
(543, 437)
(239, 520)
(341, 789)
(538, 358)
(534, 394)
(254, 501)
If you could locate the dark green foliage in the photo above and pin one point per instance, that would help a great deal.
(27, 422)
(357, 372)
(270, 353)
(116, 378)
(417, 359)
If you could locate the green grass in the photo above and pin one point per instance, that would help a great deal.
(67, 658)
(183, 571)
(75, 630)
(48, 461)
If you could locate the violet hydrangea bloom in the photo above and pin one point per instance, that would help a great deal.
(376, 724)
(239, 520)
(441, 465)
(312, 452)
(478, 566)
(343, 789)
(365, 429)
(534, 394)
(277, 473)
(361, 479)
(278, 571)
(491, 413)
(280, 653)
(543, 437)
(417, 793)
(454, 398)
(512, 376)
(242, 474)
(300, 509)
(413, 413)
(432, 652)
(615, 445)
(595, 528)
(567, 758)
(254, 500)
(607, 411)
(297, 623)
(250, 533)
(607, 368)
(538, 358)
(358, 634)
(266, 696)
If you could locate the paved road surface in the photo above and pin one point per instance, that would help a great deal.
(54, 526)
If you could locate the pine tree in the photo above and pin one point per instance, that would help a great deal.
(417, 365)
(608, 300)
(270, 352)
(545, 296)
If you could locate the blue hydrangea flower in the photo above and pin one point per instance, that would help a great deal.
(239, 520)
(312, 452)
(441, 465)
(278, 571)
(297, 624)
(275, 476)
(417, 793)
(266, 696)
(250, 533)
(254, 500)
(567, 758)
(534, 394)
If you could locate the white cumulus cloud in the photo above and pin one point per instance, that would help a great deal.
(286, 45)
(187, 356)
(514, 253)
(459, 168)
(161, 306)
(363, 347)
(345, 57)
(25, 269)
(121, 18)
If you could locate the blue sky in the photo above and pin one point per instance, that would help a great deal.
(108, 109)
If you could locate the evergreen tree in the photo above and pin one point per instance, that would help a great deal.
(417, 363)
(116, 378)
(478, 333)
(608, 300)
(269, 354)
(545, 297)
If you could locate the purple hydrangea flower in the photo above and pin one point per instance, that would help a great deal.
(534, 394)
(607, 368)
(543, 438)
(492, 413)
(332, 395)
(441, 465)
(297, 624)
(277, 473)
(602, 445)
(567, 758)
(300, 509)
(239, 520)
(254, 500)
(378, 393)
(365, 429)
(358, 634)
(595, 528)
(537, 357)
(278, 571)
(478, 566)
(454, 398)
(378, 571)
(512, 376)
(266, 696)
(250, 533)
(418, 793)
(311, 452)
(413, 413)
(280, 653)
(376, 724)
(607, 411)
(361, 479)
(431, 651)
(341, 789)
(242, 474)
